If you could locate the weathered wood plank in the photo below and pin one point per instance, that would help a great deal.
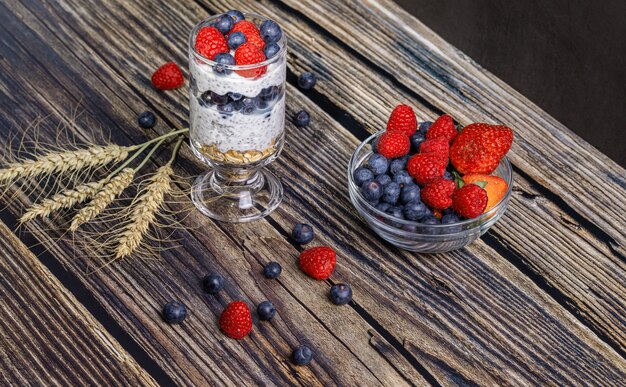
(262, 366)
(544, 148)
(340, 83)
(433, 350)
(47, 337)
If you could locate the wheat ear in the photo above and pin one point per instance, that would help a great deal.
(68, 161)
(62, 200)
(104, 196)
(145, 211)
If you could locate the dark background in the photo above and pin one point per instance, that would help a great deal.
(567, 56)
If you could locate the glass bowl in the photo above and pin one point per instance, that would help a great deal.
(414, 236)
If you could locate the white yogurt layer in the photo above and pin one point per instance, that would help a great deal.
(207, 79)
(237, 131)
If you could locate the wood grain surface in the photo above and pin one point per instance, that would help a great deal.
(539, 300)
(47, 337)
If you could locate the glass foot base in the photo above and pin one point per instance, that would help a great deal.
(238, 197)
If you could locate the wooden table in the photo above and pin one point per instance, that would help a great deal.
(540, 299)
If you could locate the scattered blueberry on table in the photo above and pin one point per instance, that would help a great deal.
(302, 355)
(340, 294)
(307, 80)
(266, 311)
(146, 120)
(213, 283)
(272, 270)
(302, 233)
(302, 118)
(174, 312)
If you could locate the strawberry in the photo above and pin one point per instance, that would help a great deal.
(469, 201)
(496, 187)
(168, 77)
(252, 33)
(318, 262)
(479, 148)
(235, 320)
(403, 118)
(438, 194)
(437, 146)
(426, 168)
(210, 42)
(247, 54)
(393, 144)
(443, 127)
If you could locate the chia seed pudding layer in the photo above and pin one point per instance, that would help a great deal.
(235, 115)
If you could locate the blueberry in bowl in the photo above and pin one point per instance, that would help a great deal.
(405, 220)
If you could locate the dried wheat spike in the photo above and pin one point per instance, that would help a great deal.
(62, 200)
(68, 161)
(145, 211)
(105, 196)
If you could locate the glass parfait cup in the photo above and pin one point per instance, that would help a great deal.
(237, 127)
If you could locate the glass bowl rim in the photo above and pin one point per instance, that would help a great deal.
(282, 43)
(505, 163)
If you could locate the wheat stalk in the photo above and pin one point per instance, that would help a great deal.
(105, 196)
(145, 211)
(67, 161)
(62, 200)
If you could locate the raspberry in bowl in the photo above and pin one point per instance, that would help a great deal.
(237, 64)
(406, 182)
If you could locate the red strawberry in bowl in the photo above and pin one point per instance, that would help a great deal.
(236, 321)
(318, 262)
(210, 42)
(393, 144)
(248, 54)
(443, 127)
(403, 119)
(479, 148)
(168, 77)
